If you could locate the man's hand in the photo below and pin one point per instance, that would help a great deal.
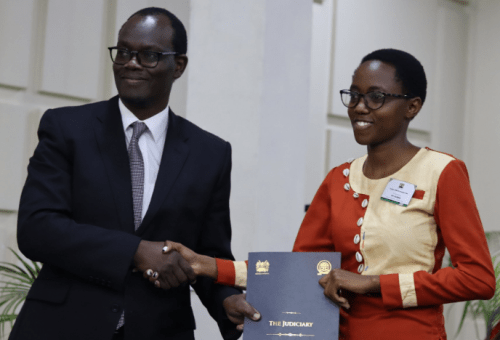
(164, 270)
(202, 265)
(339, 279)
(237, 308)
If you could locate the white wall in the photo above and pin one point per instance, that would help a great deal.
(482, 140)
(249, 84)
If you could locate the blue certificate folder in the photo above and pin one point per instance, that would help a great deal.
(284, 288)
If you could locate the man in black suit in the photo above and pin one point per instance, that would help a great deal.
(101, 198)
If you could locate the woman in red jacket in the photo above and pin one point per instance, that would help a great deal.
(391, 213)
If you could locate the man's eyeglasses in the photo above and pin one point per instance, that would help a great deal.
(121, 56)
(373, 100)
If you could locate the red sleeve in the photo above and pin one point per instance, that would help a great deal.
(231, 273)
(391, 291)
(226, 274)
(462, 232)
(315, 233)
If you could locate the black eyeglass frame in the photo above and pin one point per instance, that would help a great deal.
(360, 95)
(136, 53)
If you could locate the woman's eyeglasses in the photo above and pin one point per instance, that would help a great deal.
(373, 100)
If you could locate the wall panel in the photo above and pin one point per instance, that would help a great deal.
(482, 116)
(16, 19)
(321, 59)
(73, 48)
(450, 78)
(17, 140)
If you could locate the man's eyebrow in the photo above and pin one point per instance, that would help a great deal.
(145, 47)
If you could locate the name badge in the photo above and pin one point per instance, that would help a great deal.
(398, 192)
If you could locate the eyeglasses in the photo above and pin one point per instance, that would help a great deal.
(373, 100)
(149, 59)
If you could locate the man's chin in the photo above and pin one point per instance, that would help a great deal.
(137, 102)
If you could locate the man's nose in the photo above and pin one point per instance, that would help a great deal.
(133, 62)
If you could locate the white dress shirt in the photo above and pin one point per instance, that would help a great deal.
(151, 144)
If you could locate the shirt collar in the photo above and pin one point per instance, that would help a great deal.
(157, 124)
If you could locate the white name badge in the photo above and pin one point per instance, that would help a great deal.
(398, 192)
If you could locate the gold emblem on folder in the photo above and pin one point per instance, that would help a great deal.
(324, 267)
(262, 268)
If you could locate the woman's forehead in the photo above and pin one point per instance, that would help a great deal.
(376, 74)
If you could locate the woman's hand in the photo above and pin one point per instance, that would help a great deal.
(339, 279)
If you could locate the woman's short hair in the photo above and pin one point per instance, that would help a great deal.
(408, 70)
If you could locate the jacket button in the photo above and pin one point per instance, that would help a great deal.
(365, 203)
(360, 268)
(360, 222)
(115, 308)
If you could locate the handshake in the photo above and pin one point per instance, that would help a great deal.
(169, 264)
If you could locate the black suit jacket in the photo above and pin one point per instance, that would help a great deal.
(76, 217)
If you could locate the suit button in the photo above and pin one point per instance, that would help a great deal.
(115, 308)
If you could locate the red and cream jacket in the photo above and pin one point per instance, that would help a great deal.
(404, 245)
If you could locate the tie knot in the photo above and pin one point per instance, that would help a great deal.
(138, 129)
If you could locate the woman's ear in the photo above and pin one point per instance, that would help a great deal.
(414, 106)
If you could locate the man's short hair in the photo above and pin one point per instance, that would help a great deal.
(408, 70)
(180, 37)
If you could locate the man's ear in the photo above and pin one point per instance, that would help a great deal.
(181, 61)
(414, 106)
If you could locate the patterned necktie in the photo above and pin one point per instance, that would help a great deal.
(137, 175)
(137, 171)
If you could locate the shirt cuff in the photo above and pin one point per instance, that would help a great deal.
(391, 292)
(226, 274)
(232, 273)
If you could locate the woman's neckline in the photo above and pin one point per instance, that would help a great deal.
(412, 160)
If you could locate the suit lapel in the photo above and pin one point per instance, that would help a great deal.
(175, 153)
(110, 137)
